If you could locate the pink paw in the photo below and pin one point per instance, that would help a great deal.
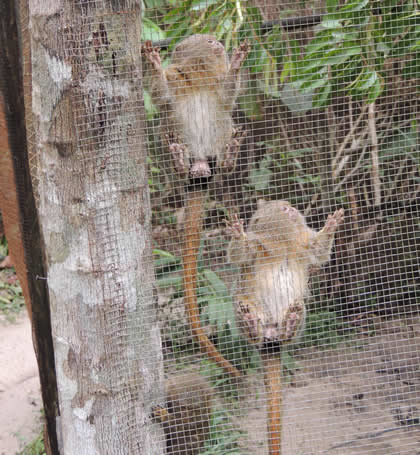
(235, 228)
(333, 221)
(239, 55)
(152, 54)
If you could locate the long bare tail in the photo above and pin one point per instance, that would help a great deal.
(273, 385)
(193, 227)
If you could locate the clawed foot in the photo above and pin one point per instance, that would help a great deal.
(333, 221)
(152, 54)
(249, 322)
(232, 149)
(293, 321)
(178, 152)
(239, 55)
(235, 227)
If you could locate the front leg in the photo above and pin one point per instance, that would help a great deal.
(248, 318)
(321, 244)
(152, 55)
(238, 57)
(244, 246)
(156, 75)
(231, 84)
(333, 221)
(239, 250)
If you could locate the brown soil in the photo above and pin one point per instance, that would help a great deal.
(20, 400)
(362, 398)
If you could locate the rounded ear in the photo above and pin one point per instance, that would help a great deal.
(261, 203)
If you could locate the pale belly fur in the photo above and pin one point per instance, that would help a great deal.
(206, 129)
(277, 287)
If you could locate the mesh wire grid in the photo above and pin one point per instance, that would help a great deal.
(325, 127)
(313, 103)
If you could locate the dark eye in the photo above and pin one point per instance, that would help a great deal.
(210, 41)
(170, 407)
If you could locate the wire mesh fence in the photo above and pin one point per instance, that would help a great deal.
(283, 160)
(325, 118)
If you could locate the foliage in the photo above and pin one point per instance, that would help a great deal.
(349, 51)
(11, 300)
(4, 248)
(36, 447)
(223, 438)
(320, 159)
(214, 301)
(352, 46)
(321, 330)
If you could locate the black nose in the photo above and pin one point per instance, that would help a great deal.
(270, 346)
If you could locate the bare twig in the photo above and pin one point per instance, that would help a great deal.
(309, 206)
(396, 179)
(337, 171)
(354, 207)
(376, 182)
(364, 436)
(352, 172)
(348, 137)
(365, 193)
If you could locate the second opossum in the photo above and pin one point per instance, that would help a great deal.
(274, 256)
(186, 415)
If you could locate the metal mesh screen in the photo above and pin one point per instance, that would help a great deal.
(328, 103)
(283, 159)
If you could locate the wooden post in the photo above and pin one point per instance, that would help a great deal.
(95, 217)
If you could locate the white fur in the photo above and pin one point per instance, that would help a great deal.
(205, 128)
(278, 287)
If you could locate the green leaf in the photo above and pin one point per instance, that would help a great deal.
(322, 96)
(330, 23)
(311, 85)
(171, 281)
(399, 145)
(154, 4)
(151, 31)
(341, 55)
(374, 91)
(367, 80)
(180, 29)
(217, 284)
(298, 101)
(164, 254)
(320, 43)
(198, 5)
(356, 5)
(260, 178)
(174, 16)
(332, 5)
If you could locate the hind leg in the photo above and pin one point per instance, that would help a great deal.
(178, 152)
(232, 149)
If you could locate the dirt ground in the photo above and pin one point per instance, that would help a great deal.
(20, 399)
(362, 398)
